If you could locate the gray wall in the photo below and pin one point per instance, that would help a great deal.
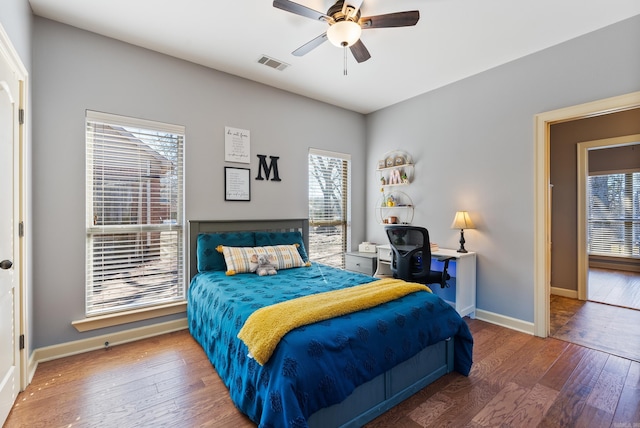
(16, 19)
(75, 70)
(473, 144)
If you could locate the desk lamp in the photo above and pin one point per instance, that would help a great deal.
(462, 221)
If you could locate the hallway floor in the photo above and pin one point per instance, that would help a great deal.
(598, 325)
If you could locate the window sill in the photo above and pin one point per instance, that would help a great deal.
(102, 321)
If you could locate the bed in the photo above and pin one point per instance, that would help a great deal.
(343, 371)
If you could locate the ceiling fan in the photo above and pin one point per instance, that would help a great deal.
(346, 24)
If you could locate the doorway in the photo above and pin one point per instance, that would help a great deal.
(574, 316)
(614, 164)
(542, 194)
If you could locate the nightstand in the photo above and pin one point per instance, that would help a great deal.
(361, 262)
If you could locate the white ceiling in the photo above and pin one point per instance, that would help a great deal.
(453, 39)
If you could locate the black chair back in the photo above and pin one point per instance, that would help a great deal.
(411, 255)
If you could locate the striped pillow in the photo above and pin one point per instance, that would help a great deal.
(239, 259)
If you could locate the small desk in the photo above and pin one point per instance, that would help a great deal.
(461, 293)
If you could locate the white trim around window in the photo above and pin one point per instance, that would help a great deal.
(134, 220)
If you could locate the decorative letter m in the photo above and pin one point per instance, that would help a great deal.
(267, 169)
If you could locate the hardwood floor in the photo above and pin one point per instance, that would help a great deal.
(595, 325)
(162, 381)
(605, 322)
(618, 288)
(517, 380)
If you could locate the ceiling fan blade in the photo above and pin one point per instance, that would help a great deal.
(310, 45)
(397, 19)
(301, 10)
(359, 51)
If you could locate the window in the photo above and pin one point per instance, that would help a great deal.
(329, 216)
(614, 214)
(134, 213)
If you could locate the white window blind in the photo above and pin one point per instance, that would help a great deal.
(614, 214)
(329, 217)
(134, 213)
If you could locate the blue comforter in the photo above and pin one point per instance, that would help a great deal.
(320, 364)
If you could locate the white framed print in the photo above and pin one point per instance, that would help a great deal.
(237, 184)
(237, 145)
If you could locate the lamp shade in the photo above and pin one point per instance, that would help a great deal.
(462, 221)
(344, 33)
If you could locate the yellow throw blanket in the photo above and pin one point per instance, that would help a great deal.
(265, 327)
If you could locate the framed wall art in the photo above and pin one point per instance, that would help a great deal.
(237, 145)
(237, 184)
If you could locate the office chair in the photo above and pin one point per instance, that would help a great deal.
(411, 256)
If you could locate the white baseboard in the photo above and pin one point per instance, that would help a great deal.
(54, 352)
(563, 292)
(505, 321)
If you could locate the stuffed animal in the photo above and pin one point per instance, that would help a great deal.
(266, 264)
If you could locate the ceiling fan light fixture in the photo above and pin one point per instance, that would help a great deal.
(344, 33)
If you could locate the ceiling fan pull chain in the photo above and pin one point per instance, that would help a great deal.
(344, 49)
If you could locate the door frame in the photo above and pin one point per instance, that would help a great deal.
(21, 211)
(583, 149)
(542, 198)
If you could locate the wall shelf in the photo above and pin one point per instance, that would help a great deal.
(401, 208)
(395, 170)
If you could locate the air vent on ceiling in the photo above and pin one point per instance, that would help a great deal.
(273, 63)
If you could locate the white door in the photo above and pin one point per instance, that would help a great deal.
(9, 328)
